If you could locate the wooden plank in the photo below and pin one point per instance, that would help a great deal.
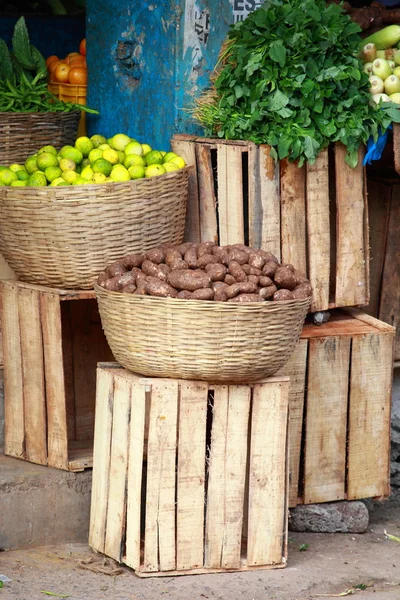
(369, 416)
(135, 469)
(33, 376)
(202, 571)
(57, 433)
(296, 368)
(116, 509)
(191, 475)
(293, 215)
(68, 367)
(207, 200)
(159, 545)
(230, 195)
(318, 231)
(267, 474)
(270, 201)
(64, 294)
(6, 272)
(186, 149)
(80, 457)
(373, 323)
(327, 398)
(351, 284)
(101, 459)
(13, 389)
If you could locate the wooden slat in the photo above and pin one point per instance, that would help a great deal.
(159, 545)
(57, 435)
(351, 254)
(33, 376)
(101, 459)
(368, 323)
(267, 474)
(116, 509)
(327, 398)
(296, 368)
(68, 368)
(186, 149)
(207, 200)
(293, 215)
(369, 416)
(270, 201)
(6, 272)
(191, 475)
(64, 294)
(135, 469)
(318, 230)
(230, 195)
(13, 389)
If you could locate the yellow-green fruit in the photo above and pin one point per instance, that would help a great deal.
(84, 144)
(62, 183)
(57, 181)
(153, 158)
(18, 183)
(50, 149)
(87, 173)
(85, 162)
(163, 153)
(72, 153)
(101, 165)
(2, 184)
(37, 179)
(154, 170)
(7, 176)
(95, 154)
(2, 168)
(170, 166)
(31, 165)
(393, 98)
(99, 178)
(169, 155)
(146, 148)
(97, 140)
(111, 155)
(136, 171)
(109, 141)
(52, 173)
(120, 141)
(70, 176)
(133, 159)
(178, 160)
(104, 147)
(79, 181)
(66, 164)
(397, 72)
(45, 160)
(119, 173)
(134, 148)
(15, 167)
(23, 175)
(121, 156)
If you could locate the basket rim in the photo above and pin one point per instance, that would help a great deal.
(41, 113)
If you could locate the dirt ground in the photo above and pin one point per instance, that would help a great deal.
(365, 566)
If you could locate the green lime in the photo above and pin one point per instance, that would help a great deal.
(45, 160)
(134, 148)
(72, 153)
(146, 148)
(178, 160)
(120, 141)
(170, 166)
(85, 162)
(15, 167)
(31, 165)
(87, 173)
(119, 173)
(154, 170)
(97, 140)
(23, 175)
(18, 183)
(95, 154)
(79, 181)
(133, 159)
(121, 156)
(84, 145)
(37, 179)
(58, 181)
(169, 155)
(154, 158)
(111, 155)
(109, 141)
(101, 165)
(49, 149)
(70, 176)
(66, 164)
(136, 171)
(7, 176)
(99, 178)
(52, 173)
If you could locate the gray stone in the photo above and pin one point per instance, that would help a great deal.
(395, 437)
(395, 481)
(394, 468)
(331, 517)
(396, 401)
(321, 317)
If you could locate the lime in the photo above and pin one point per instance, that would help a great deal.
(52, 173)
(153, 158)
(99, 178)
(18, 183)
(78, 169)
(101, 165)
(170, 166)
(70, 176)
(120, 141)
(104, 147)
(58, 181)
(37, 179)
(95, 154)
(2, 168)
(72, 153)
(49, 149)
(178, 160)
(133, 159)
(16, 168)
(134, 148)
(45, 160)
(109, 141)
(31, 165)
(136, 171)
(2, 184)
(66, 164)
(163, 153)
(154, 170)
(7, 176)
(169, 155)
(23, 175)
(146, 148)
(85, 162)
(87, 173)
(79, 181)
(121, 156)
(111, 155)
(97, 140)
(120, 173)
(62, 182)
(84, 144)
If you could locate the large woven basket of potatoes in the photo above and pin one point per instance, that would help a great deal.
(201, 311)
(63, 236)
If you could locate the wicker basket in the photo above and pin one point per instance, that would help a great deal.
(189, 339)
(65, 236)
(23, 134)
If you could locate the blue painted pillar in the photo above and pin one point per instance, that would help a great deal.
(148, 60)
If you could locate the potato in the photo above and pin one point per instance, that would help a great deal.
(126, 279)
(256, 260)
(116, 268)
(235, 269)
(268, 292)
(184, 295)
(141, 286)
(229, 279)
(300, 278)
(244, 287)
(173, 259)
(269, 268)
(284, 278)
(112, 284)
(267, 256)
(203, 294)
(182, 248)
(247, 298)
(133, 260)
(136, 272)
(265, 281)
(155, 270)
(206, 259)
(238, 256)
(140, 278)
(216, 271)
(156, 255)
(288, 266)
(183, 279)
(155, 287)
(254, 271)
(191, 256)
(218, 285)
(283, 295)
(253, 279)
(221, 255)
(205, 248)
(240, 247)
(220, 295)
(304, 290)
(129, 289)
(246, 268)
(102, 278)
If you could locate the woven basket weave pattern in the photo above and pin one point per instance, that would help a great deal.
(65, 236)
(212, 341)
(23, 134)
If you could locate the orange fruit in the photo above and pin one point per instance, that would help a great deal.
(61, 72)
(51, 59)
(78, 61)
(82, 47)
(51, 67)
(70, 56)
(78, 75)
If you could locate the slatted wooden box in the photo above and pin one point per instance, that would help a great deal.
(197, 483)
(52, 341)
(340, 404)
(315, 217)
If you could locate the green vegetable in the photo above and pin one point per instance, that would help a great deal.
(290, 77)
(385, 38)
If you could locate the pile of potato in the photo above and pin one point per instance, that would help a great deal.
(206, 271)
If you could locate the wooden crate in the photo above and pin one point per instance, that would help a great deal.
(52, 341)
(169, 490)
(315, 217)
(340, 404)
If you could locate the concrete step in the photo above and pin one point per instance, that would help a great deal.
(40, 506)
